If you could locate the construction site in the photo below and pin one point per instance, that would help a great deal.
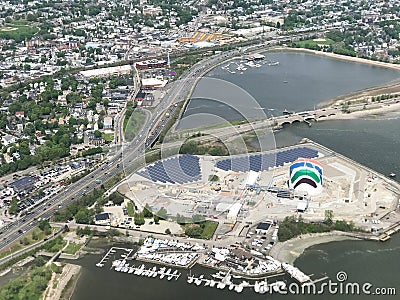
(248, 189)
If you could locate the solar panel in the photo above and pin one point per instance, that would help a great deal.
(262, 162)
(182, 169)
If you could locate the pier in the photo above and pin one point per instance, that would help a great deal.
(296, 274)
(113, 250)
(222, 280)
(124, 267)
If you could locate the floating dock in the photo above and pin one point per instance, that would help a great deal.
(124, 267)
(112, 251)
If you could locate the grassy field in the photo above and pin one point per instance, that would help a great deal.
(72, 248)
(132, 126)
(131, 209)
(18, 31)
(109, 137)
(209, 229)
(312, 43)
(34, 236)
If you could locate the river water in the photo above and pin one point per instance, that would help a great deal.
(374, 142)
(300, 82)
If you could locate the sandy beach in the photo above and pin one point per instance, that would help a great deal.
(290, 250)
(376, 109)
(344, 57)
(60, 282)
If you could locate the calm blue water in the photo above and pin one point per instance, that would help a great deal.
(300, 82)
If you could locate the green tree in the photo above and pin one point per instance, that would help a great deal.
(328, 217)
(97, 134)
(147, 212)
(193, 231)
(44, 225)
(156, 219)
(13, 206)
(139, 219)
(84, 216)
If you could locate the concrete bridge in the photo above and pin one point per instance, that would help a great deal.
(305, 116)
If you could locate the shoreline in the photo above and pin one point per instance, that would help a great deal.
(63, 285)
(361, 95)
(292, 249)
(380, 110)
(342, 57)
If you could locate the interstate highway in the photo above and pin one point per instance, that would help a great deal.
(132, 152)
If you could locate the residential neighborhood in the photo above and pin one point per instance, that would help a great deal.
(159, 137)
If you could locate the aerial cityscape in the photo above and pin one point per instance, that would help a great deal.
(222, 149)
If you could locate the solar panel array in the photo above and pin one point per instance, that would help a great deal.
(182, 169)
(262, 162)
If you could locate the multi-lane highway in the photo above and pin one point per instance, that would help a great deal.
(127, 155)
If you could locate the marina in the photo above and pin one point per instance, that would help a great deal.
(249, 62)
(222, 280)
(228, 280)
(125, 267)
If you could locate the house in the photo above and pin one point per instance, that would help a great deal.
(96, 141)
(103, 219)
(8, 139)
(20, 114)
(108, 122)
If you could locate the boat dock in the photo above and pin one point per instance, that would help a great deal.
(222, 280)
(163, 272)
(296, 274)
(179, 259)
(112, 251)
(389, 232)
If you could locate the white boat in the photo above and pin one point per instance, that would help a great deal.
(245, 283)
(221, 285)
(118, 268)
(198, 280)
(231, 286)
(116, 263)
(212, 283)
(152, 272)
(99, 265)
(162, 270)
(131, 269)
(206, 282)
(239, 288)
(257, 287)
(218, 276)
(139, 270)
(175, 272)
(190, 279)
